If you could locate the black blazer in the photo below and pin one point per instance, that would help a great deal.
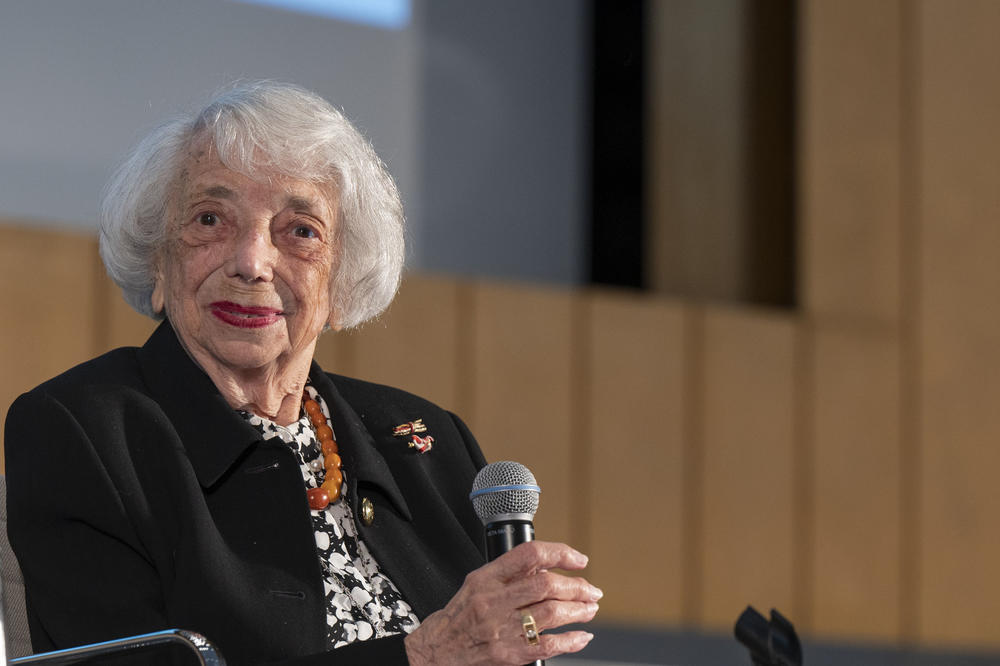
(138, 499)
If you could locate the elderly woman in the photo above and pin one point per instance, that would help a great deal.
(216, 478)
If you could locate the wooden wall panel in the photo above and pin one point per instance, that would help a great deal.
(523, 403)
(48, 285)
(856, 481)
(635, 415)
(121, 326)
(748, 464)
(850, 158)
(415, 344)
(336, 352)
(959, 321)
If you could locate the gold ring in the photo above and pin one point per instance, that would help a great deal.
(530, 630)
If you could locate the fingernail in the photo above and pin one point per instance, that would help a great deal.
(592, 607)
(588, 637)
(596, 593)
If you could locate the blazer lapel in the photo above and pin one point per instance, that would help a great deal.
(213, 433)
(215, 438)
(271, 512)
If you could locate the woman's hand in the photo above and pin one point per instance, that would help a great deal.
(482, 624)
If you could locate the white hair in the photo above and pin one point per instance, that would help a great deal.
(258, 129)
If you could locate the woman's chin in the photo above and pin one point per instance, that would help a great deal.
(243, 355)
(246, 362)
(266, 348)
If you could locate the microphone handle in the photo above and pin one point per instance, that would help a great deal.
(503, 536)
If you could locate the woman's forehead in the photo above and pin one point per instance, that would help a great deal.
(204, 174)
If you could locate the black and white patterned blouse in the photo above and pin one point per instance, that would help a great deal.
(361, 602)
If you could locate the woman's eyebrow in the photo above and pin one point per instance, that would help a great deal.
(301, 203)
(219, 192)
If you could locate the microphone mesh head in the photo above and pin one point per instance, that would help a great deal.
(505, 490)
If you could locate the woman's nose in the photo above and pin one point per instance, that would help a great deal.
(253, 257)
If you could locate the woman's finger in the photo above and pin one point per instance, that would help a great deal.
(539, 587)
(554, 614)
(550, 645)
(481, 623)
(525, 642)
(534, 556)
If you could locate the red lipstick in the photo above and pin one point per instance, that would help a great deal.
(245, 316)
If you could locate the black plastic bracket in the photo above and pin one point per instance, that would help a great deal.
(771, 643)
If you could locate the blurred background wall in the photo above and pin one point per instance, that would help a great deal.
(477, 108)
(719, 271)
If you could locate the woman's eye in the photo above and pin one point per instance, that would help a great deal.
(208, 219)
(302, 231)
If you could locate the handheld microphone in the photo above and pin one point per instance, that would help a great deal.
(505, 497)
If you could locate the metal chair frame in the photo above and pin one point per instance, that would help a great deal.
(204, 651)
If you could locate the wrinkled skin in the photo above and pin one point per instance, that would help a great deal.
(244, 277)
(482, 622)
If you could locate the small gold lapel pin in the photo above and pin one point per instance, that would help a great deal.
(410, 428)
(422, 444)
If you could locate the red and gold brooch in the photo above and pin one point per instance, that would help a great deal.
(411, 429)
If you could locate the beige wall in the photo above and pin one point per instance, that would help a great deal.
(900, 164)
(837, 462)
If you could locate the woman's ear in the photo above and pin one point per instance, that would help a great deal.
(157, 299)
(333, 321)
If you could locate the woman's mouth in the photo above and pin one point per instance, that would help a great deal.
(245, 316)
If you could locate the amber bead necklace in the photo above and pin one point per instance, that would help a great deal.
(333, 481)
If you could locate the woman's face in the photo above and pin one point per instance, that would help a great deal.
(246, 269)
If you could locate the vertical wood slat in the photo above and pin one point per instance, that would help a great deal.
(856, 474)
(911, 437)
(748, 464)
(636, 413)
(850, 159)
(959, 322)
(48, 285)
(693, 464)
(522, 405)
